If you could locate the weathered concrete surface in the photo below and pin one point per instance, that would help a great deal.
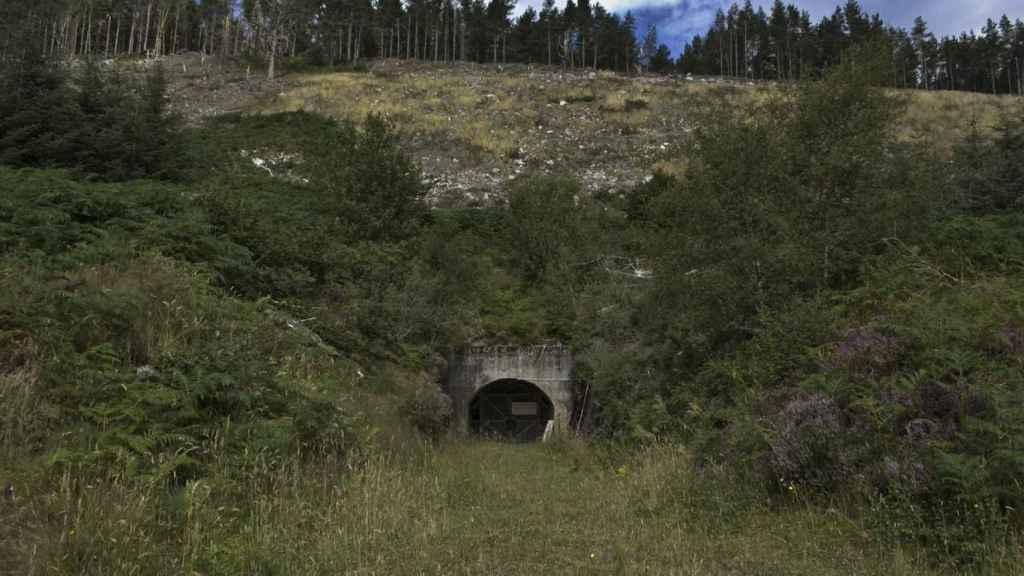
(548, 367)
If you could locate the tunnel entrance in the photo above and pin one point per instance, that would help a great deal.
(511, 410)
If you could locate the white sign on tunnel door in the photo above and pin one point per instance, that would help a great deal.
(524, 408)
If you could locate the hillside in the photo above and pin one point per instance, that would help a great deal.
(799, 308)
(475, 128)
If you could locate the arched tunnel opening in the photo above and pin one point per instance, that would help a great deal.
(510, 410)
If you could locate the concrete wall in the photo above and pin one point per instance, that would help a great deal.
(550, 368)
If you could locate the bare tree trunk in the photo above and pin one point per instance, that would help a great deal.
(736, 55)
(721, 54)
(225, 44)
(359, 42)
(88, 34)
(348, 41)
(238, 37)
(163, 13)
(174, 39)
(72, 44)
(145, 38)
(69, 36)
(273, 53)
(131, 35)
(789, 58)
(746, 26)
(1020, 77)
(106, 49)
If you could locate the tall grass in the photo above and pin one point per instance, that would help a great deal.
(945, 118)
(460, 508)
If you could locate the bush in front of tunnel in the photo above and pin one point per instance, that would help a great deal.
(428, 409)
(628, 405)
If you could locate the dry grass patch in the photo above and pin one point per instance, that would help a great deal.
(675, 168)
(621, 101)
(485, 136)
(945, 118)
(611, 126)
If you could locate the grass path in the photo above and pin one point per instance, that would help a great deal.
(465, 508)
(480, 508)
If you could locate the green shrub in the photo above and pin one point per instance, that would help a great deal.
(428, 409)
(152, 362)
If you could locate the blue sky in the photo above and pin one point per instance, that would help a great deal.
(679, 20)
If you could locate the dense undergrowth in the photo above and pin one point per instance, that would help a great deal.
(235, 347)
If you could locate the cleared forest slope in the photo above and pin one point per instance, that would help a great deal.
(474, 128)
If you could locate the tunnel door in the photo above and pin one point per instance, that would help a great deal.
(513, 410)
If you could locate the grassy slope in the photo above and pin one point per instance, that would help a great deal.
(473, 127)
(480, 508)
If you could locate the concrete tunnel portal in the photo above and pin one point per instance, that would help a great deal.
(513, 393)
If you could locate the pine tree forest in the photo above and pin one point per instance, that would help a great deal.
(329, 32)
(782, 43)
(785, 44)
